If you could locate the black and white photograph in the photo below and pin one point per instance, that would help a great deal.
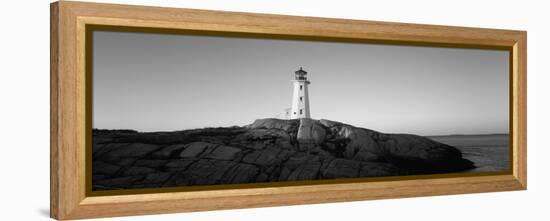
(176, 110)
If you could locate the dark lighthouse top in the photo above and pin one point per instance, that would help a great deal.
(301, 74)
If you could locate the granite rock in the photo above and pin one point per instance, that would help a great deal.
(268, 150)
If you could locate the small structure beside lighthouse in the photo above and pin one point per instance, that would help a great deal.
(300, 97)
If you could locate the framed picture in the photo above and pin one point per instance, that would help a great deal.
(160, 110)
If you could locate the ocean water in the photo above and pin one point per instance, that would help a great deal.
(489, 153)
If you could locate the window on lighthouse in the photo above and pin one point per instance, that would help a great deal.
(300, 111)
(301, 98)
(301, 87)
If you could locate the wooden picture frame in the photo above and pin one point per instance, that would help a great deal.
(70, 199)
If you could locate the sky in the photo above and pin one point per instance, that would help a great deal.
(165, 82)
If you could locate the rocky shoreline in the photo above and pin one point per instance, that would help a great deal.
(268, 150)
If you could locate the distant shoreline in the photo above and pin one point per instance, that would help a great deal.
(136, 131)
(464, 135)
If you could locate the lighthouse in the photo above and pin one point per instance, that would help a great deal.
(300, 97)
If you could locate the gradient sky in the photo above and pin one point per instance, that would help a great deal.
(161, 82)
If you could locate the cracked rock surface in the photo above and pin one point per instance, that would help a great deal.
(268, 150)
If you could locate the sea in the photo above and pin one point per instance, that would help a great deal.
(489, 152)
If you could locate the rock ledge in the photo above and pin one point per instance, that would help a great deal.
(268, 150)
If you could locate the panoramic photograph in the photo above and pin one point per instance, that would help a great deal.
(174, 110)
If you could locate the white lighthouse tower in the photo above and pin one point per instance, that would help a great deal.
(300, 97)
